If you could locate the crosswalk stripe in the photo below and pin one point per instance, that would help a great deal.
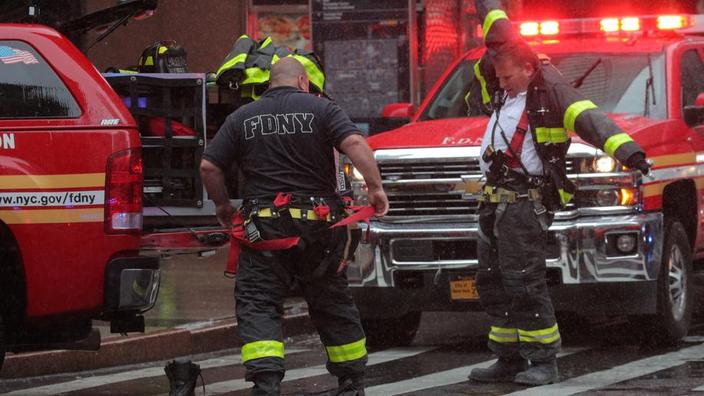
(441, 378)
(388, 355)
(100, 380)
(616, 374)
(698, 389)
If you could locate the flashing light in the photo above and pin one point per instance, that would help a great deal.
(630, 24)
(549, 28)
(668, 22)
(611, 25)
(530, 28)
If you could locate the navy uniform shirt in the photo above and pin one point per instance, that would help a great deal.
(283, 143)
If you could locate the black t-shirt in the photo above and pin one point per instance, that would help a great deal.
(283, 142)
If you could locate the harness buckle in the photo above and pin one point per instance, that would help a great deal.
(282, 199)
(251, 231)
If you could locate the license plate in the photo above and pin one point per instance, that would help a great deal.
(464, 289)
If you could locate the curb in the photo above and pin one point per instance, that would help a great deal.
(156, 346)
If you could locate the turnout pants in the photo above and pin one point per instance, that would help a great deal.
(511, 282)
(265, 277)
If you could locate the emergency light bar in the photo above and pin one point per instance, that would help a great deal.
(605, 25)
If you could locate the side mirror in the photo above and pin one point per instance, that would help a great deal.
(393, 116)
(398, 110)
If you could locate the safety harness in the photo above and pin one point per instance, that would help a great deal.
(244, 231)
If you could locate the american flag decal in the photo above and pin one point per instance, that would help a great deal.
(10, 55)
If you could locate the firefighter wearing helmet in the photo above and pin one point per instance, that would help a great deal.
(523, 159)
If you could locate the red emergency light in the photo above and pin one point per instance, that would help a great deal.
(612, 25)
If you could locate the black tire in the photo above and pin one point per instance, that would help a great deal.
(383, 333)
(675, 290)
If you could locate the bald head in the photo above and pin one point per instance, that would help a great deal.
(288, 72)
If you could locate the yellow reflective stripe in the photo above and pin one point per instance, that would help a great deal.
(551, 135)
(162, 50)
(614, 142)
(266, 42)
(491, 17)
(574, 110)
(542, 336)
(72, 180)
(232, 62)
(149, 61)
(315, 76)
(255, 75)
(503, 335)
(348, 352)
(565, 197)
(52, 216)
(482, 83)
(262, 349)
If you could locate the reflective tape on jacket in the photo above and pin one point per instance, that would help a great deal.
(503, 334)
(255, 75)
(565, 197)
(551, 135)
(614, 142)
(232, 63)
(315, 75)
(348, 352)
(574, 110)
(491, 17)
(262, 349)
(482, 82)
(541, 336)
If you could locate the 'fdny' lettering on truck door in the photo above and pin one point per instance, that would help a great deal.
(8, 141)
(269, 124)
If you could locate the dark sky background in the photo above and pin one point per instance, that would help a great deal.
(592, 8)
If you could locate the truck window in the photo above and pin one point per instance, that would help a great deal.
(691, 77)
(29, 88)
(617, 84)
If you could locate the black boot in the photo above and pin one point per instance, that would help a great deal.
(267, 383)
(539, 373)
(183, 375)
(502, 371)
(345, 387)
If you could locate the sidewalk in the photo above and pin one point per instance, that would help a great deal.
(194, 313)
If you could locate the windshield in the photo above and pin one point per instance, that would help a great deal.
(617, 83)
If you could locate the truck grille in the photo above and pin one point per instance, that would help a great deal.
(431, 188)
(428, 188)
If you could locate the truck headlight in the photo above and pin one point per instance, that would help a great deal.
(604, 164)
(357, 184)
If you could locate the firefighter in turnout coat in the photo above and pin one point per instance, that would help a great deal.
(523, 158)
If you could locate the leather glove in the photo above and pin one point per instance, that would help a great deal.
(638, 161)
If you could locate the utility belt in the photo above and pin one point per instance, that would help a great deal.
(493, 194)
(246, 232)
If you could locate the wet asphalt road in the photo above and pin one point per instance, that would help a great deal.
(597, 359)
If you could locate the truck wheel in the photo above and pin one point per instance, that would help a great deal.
(391, 332)
(675, 293)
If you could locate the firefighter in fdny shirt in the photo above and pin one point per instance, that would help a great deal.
(283, 143)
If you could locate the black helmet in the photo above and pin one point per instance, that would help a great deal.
(163, 57)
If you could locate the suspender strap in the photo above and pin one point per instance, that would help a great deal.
(516, 145)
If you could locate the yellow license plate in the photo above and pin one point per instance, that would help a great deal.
(464, 289)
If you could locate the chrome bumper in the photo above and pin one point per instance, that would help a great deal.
(582, 249)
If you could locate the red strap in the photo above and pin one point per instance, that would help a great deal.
(517, 141)
(282, 199)
(362, 213)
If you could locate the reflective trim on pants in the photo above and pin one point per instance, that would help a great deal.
(348, 352)
(542, 336)
(503, 334)
(262, 349)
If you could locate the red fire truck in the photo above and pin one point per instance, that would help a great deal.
(627, 245)
(70, 199)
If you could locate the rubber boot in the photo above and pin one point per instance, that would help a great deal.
(503, 370)
(267, 383)
(539, 373)
(183, 375)
(345, 387)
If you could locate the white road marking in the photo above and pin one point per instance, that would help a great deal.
(441, 378)
(388, 355)
(616, 374)
(101, 380)
(698, 389)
